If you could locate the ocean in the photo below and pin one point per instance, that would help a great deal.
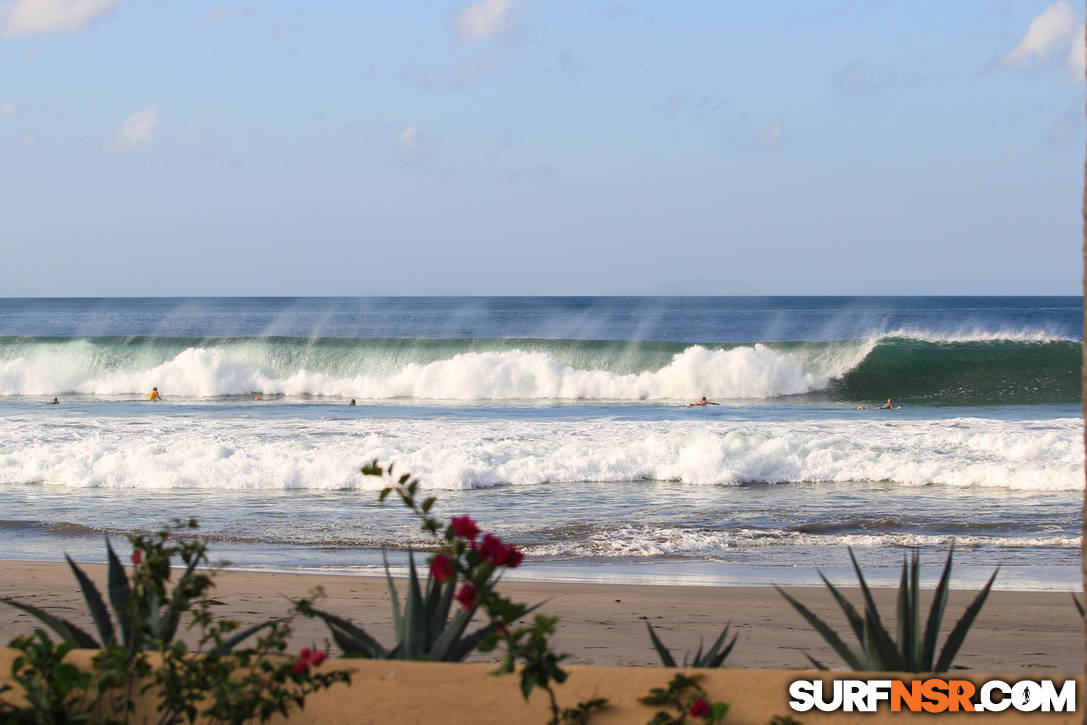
(562, 425)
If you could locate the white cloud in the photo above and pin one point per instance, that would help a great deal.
(217, 16)
(409, 139)
(1050, 35)
(7, 110)
(861, 79)
(137, 132)
(1077, 55)
(770, 137)
(192, 133)
(28, 139)
(33, 17)
(484, 20)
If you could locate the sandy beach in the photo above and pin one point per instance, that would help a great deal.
(605, 624)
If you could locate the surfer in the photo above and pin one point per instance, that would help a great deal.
(352, 401)
(887, 406)
(703, 401)
(154, 394)
(54, 402)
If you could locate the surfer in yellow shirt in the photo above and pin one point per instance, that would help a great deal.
(154, 394)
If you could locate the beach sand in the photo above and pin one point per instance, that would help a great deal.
(604, 624)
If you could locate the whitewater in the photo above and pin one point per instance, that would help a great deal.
(562, 423)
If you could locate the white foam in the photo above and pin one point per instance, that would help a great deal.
(754, 371)
(167, 452)
(648, 541)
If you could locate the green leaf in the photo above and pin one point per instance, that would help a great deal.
(231, 642)
(667, 660)
(958, 634)
(936, 615)
(119, 593)
(102, 621)
(179, 602)
(415, 624)
(829, 635)
(65, 629)
(352, 639)
(429, 503)
(856, 621)
(394, 598)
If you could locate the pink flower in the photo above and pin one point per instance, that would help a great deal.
(299, 667)
(441, 567)
(699, 708)
(494, 550)
(466, 596)
(137, 557)
(318, 659)
(513, 557)
(464, 528)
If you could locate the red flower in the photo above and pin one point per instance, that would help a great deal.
(494, 550)
(513, 557)
(306, 658)
(464, 528)
(699, 708)
(466, 596)
(441, 567)
(137, 557)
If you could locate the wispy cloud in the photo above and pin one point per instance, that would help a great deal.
(409, 139)
(769, 138)
(219, 15)
(36, 17)
(137, 132)
(1054, 34)
(858, 79)
(7, 110)
(484, 20)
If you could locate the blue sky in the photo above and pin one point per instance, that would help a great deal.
(159, 147)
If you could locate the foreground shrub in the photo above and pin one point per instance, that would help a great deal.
(218, 680)
(466, 567)
(713, 657)
(426, 626)
(142, 614)
(914, 650)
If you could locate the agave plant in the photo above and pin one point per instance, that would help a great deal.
(424, 628)
(914, 650)
(140, 615)
(713, 657)
(1079, 606)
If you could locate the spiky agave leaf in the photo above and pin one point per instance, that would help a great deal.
(716, 655)
(666, 657)
(120, 594)
(352, 639)
(95, 604)
(854, 659)
(1079, 606)
(64, 629)
(936, 615)
(958, 634)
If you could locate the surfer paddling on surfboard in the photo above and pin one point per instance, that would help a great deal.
(701, 402)
(888, 405)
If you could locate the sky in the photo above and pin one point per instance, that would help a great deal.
(169, 147)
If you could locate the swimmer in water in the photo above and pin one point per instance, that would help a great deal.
(54, 402)
(352, 401)
(703, 401)
(154, 394)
